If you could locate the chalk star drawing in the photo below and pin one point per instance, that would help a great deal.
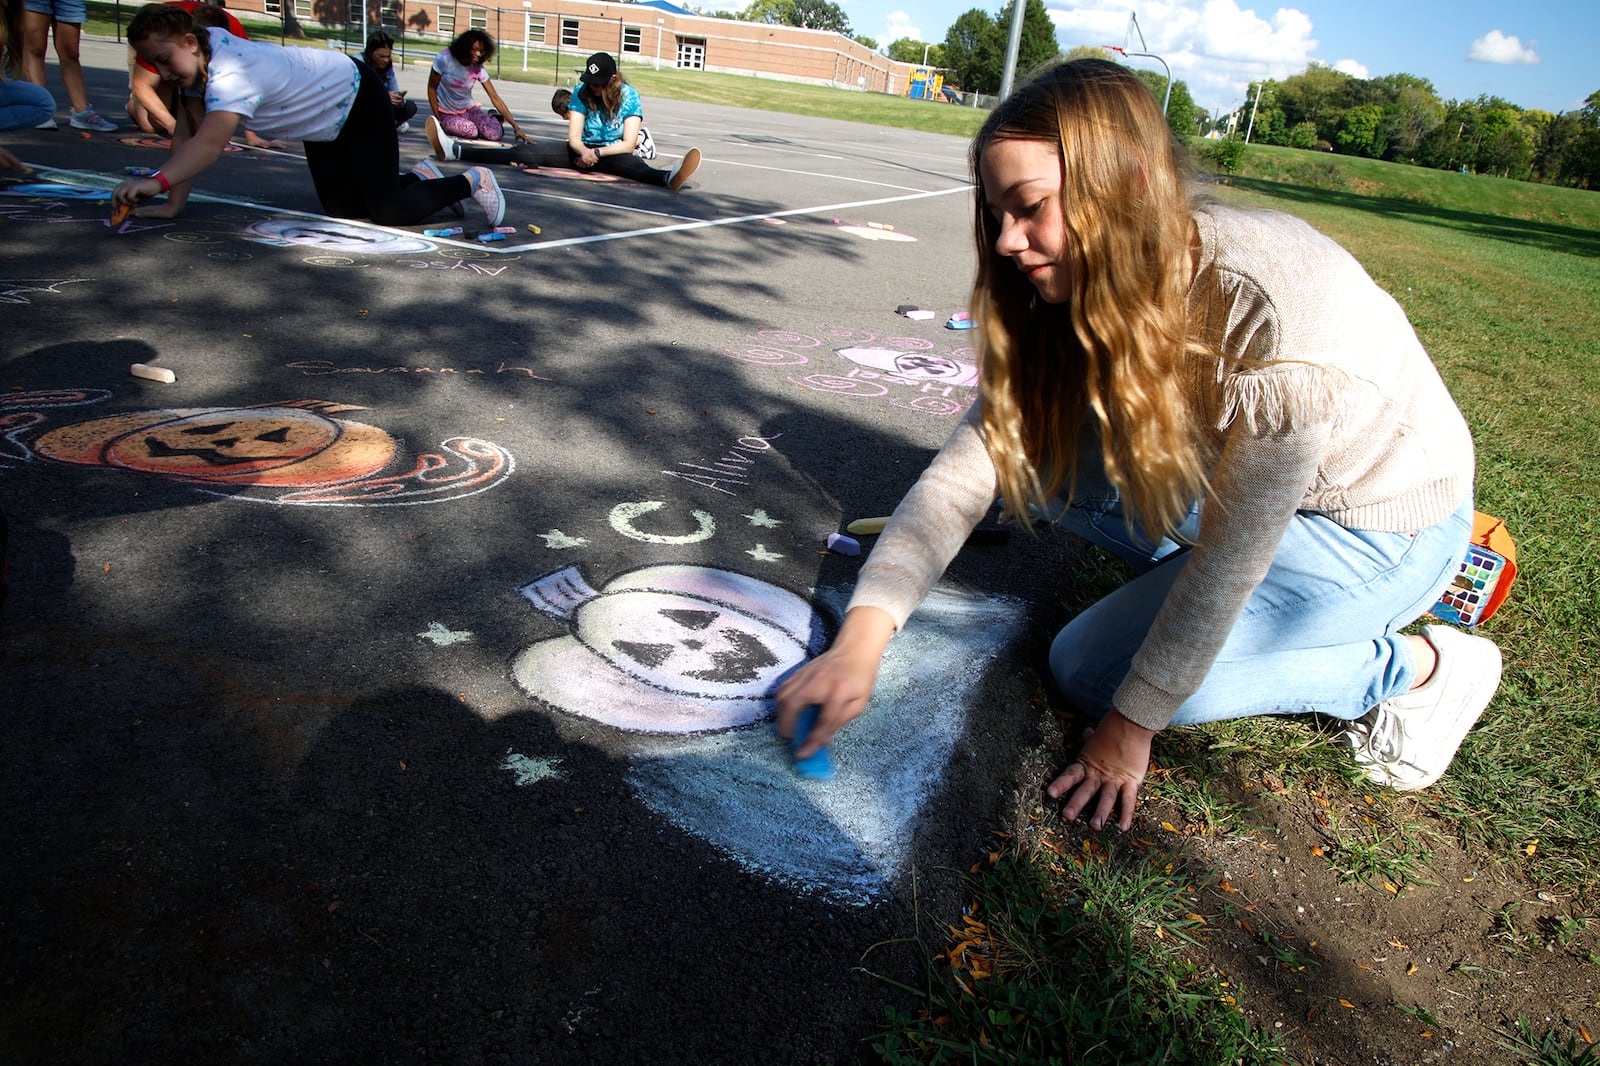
(557, 539)
(761, 555)
(11, 289)
(529, 769)
(761, 518)
(444, 636)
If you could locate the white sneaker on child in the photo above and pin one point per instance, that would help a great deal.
(1407, 742)
(48, 124)
(686, 166)
(486, 191)
(404, 127)
(444, 145)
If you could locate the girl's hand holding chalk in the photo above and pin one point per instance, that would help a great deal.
(818, 766)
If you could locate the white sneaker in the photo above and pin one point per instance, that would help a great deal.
(1407, 742)
(444, 145)
(404, 127)
(686, 166)
(88, 120)
(48, 124)
(486, 191)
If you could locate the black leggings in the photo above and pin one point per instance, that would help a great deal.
(405, 112)
(552, 154)
(357, 174)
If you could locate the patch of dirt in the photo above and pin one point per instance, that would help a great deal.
(1438, 969)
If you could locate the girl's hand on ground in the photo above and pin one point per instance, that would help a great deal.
(839, 681)
(520, 135)
(135, 191)
(9, 161)
(1107, 773)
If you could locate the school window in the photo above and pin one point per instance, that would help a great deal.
(447, 22)
(691, 53)
(389, 14)
(632, 40)
(273, 8)
(478, 18)
(533, 33)
(569, 33)
(303, 11)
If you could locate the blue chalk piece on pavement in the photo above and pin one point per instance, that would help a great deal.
(817, 766)
(844, 545)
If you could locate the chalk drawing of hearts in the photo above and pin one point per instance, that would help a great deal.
(848, 839)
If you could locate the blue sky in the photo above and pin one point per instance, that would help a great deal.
(1542, 54)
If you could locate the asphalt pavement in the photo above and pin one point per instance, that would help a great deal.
(389, 686)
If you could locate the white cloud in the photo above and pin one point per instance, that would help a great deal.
(1213, 45)
(1496, 47)
(1352, 68)
(897, 24)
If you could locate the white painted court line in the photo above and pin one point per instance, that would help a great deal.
(813, 174)
(819, 209)
(93, 178)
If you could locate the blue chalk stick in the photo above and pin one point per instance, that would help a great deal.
(817, 766)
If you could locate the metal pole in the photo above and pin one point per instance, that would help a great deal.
(1013, 46)
(1251, 128)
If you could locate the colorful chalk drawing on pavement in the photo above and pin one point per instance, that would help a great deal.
(165, 144)
(563, 172)
(329, 236)
(47, 191)
(908, 372)
(682, 660)
(667, 649)
(296, 452)
(870, 232)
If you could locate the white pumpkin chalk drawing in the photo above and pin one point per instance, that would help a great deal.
(667, 649)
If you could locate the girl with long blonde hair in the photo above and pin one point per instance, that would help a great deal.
(1227, 401)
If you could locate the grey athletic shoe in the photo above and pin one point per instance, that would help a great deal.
(88, 120)
(1407, 742)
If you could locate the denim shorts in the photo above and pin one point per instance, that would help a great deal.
(74, 12)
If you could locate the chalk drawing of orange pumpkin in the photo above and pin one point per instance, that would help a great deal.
(667, 649)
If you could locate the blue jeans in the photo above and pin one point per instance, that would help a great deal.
(1321, 633)
(23, 105)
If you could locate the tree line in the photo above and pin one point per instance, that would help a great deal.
(1401, 118)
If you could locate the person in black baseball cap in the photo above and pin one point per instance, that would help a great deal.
(598, 70)
(604, 119)
(605, 123)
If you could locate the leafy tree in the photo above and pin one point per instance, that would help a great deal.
(1180, 105)
(1038, 46)
(909, 50)
(807, 14)
(974, 52)
(1316, 95)
(869, 42)
(1359, 131)
(1415, 113)
(1302, 135)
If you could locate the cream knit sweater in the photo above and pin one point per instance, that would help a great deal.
(1341, 412)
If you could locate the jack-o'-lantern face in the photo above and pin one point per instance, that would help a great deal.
(225, 442)
(684, 644)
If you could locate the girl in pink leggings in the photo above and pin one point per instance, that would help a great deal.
(455, 71)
